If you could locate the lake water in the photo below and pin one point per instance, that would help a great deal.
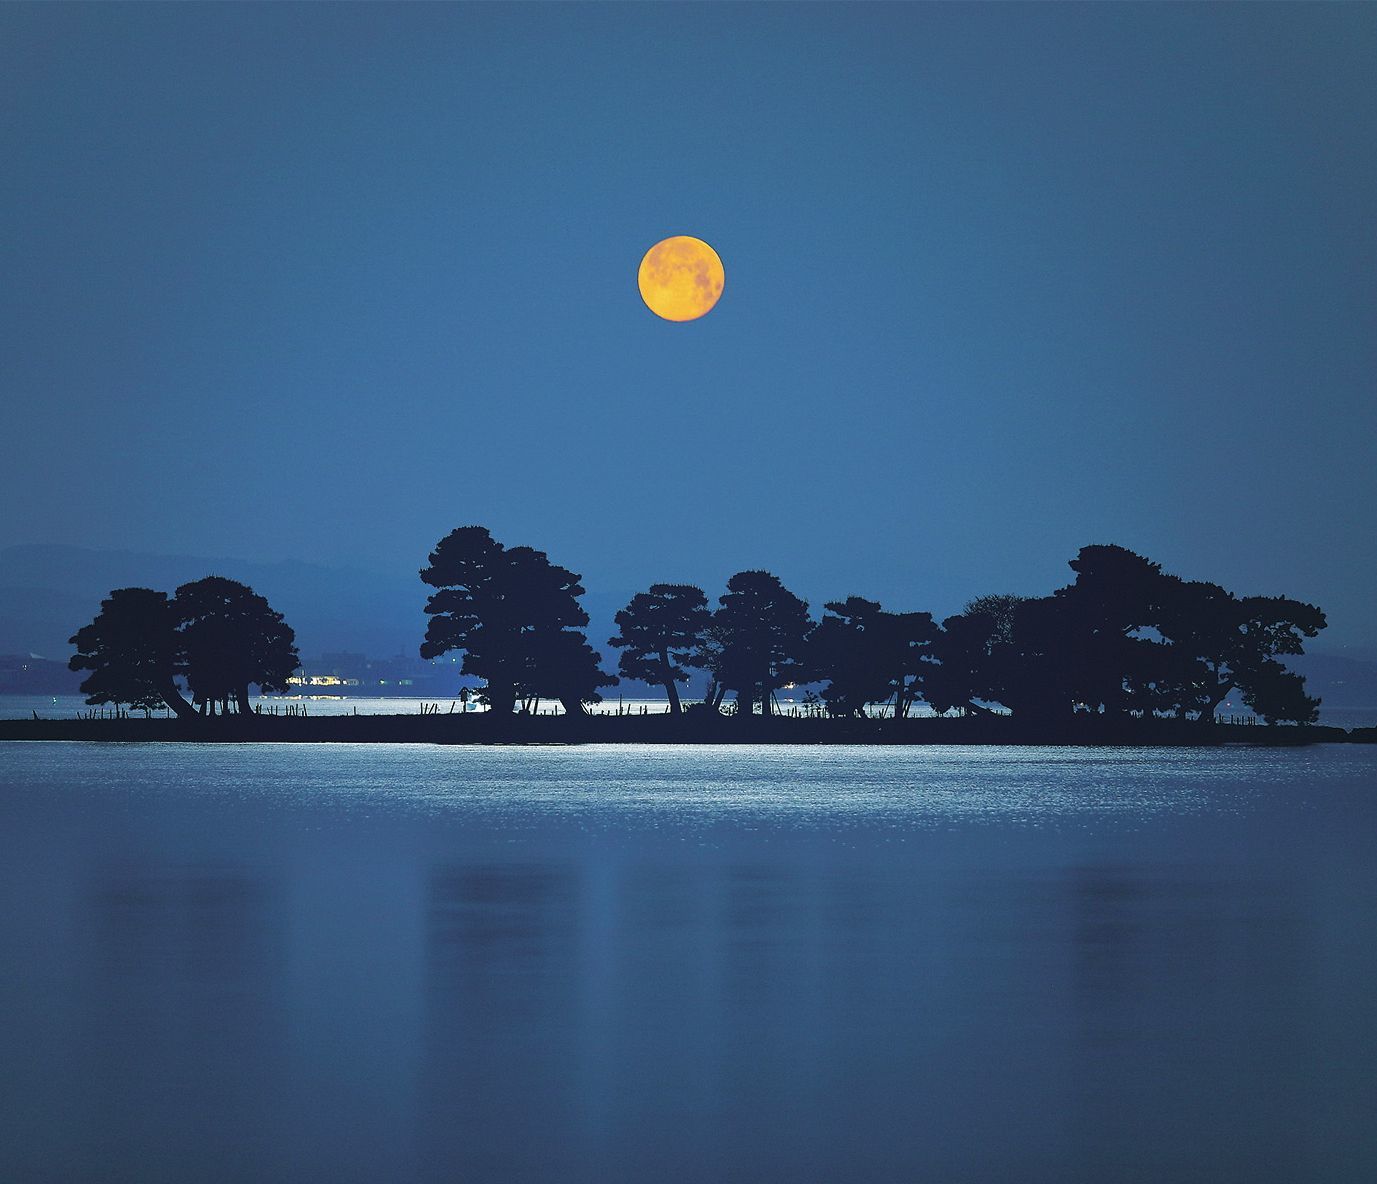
(337, 964)
(73, 706)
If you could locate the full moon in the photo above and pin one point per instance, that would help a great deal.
(680, 278)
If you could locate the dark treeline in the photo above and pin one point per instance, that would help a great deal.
(1123, 639)
(217, 636)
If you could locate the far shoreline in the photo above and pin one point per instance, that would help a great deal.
(482, 728)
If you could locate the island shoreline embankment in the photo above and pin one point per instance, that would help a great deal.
(475, 728)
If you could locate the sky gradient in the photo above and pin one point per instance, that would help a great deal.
(324, 282)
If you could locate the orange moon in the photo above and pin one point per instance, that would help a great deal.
(680, 278)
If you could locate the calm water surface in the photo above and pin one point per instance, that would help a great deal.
(335, 964)
(74, 706)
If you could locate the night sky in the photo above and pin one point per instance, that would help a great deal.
(325, 282)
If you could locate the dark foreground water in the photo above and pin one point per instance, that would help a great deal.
(335, 964)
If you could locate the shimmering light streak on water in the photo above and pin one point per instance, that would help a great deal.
(14, 706)
(335, 963)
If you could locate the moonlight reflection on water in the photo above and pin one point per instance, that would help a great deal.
(335, 963)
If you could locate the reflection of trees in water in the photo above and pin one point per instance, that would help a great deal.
(623, 1004)
(1188, 992)
(501, 1014)
(1172, 932)
(185, 1028)
(181, 925)
(495, 932)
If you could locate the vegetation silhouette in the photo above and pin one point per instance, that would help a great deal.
(518, 620)
(218, 635)
(1127, 639)
(662, 632)
(132, 652)
(1123, 641)
(868, 655)
(763, 631)
(231, 637)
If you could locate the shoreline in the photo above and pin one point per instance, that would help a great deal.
(666, 729)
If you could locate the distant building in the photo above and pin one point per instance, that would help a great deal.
(347, 673)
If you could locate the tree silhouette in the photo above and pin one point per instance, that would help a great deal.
(467, 612)
(843, 650)
(1233, 642)
(231, 637)
(1000, 608)
(1116, 595)
(1125, 637)
(764, 630)
(709, 655)
(132, 651)
(869, 655)
(560, 664)
(661, 631)
(906, 645)
(1278, 694)
(554, 659)
(517, 618)
(973, 651)
(1082, 648)
(968, 653)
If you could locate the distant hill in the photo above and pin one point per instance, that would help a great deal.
(1340, 681)
(48, 592)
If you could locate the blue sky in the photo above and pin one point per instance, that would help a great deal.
(324, 282)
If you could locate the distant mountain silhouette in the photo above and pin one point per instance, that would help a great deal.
(1343, 682)
(46, 590)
